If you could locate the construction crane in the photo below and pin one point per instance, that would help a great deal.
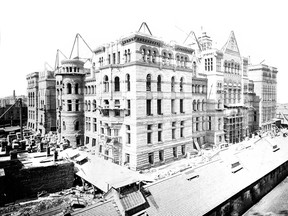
(76, 40)
(191, 35)
(57, 62)
(19, 100)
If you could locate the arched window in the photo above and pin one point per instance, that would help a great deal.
(169, 58)
(148, 82)
(148, 55)
(194, 105)
(144, 55)
(70, 69)
(198, 105)
(185, 61)
(154, 57)
(94, 105)
(129, 55)
(75, 69)
(181, 84)
(69, 88)
(76, 88)
(178, 60)
(128, 82)
(203, 105)
(86, 105)
(106, 84)
(173, 84)
(89, 105)
(125, 56)
(116, 84)
(164, 57)
(76, 126)
(182, 61)
(89, 90)
(86, 90)
(194, 68)
(159, 83)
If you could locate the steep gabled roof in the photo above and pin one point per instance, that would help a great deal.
(231, 44)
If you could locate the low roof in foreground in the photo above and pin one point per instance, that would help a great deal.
(216, 183)
(101, 173)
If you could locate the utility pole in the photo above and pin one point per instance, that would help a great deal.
(21, 123)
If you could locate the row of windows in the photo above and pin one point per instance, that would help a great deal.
(198, 121)
(127, 58)
(209, 64)
(70, 105)
(70, 69)
(31, 99)
(232, 67)
(70, 89)
(159, 107)
(76, 125)
(159, 132)
(161, 154)
(31, 125)
(31, 114)
(116, 83)
(41, 104)
(199, 105)
(150, 56)
(159, 83)
(196, 88)
(90, 89)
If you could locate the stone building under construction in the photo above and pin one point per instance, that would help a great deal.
(142, 102)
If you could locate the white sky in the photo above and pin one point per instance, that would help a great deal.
(31, 31)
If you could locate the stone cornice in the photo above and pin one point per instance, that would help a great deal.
(99, 50)
(184, 49)
(142, 39)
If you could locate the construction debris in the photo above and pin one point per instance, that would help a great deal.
(67, 201)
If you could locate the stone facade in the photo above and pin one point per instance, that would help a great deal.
(265, 85)
(142, 102)
(41, 102)
(32, 91)
(70, 94)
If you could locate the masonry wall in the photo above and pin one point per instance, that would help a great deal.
(22, 182)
